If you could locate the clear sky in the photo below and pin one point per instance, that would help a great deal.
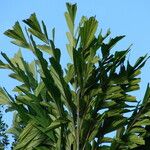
(123, 17)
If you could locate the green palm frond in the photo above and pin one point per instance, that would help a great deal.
(77, 107)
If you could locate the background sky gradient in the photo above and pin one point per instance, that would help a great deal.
(123, 17)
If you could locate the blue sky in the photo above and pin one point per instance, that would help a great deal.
(123, 17)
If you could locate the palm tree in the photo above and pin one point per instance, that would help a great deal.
(76, 108)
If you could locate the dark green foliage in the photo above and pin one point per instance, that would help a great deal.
(3, 127)
(75, 109)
